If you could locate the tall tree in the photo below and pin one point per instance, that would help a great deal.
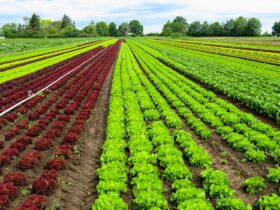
(26, 22)
(205, 29)
(124, 29)
(113, 31)
(229, 28)
(65, 21)
(69, 31)
(1, 31)
(195, 29)
(179, 25)
(90, 29)
(167, 31)
(276, 29)
(216, 29)
(136, 27)
(10, 29)
(240, 26)
(34, 22)
(102, 29)
(20, 28)
(253, 27)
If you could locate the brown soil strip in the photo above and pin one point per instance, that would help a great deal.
(78, 183)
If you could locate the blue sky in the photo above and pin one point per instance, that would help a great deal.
(152, 13)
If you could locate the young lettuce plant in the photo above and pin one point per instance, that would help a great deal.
(254, 185)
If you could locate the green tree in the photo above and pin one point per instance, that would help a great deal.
(102, 29)
(34, 22)
(216, 29)
(20, 29)
(65, 21)
(46, 25)
(136, 27)
(205, 29)
(1, 32)
(124, 29)
(276, 29)
(54, 28)
(229, 28)
(254, 26)
(10, 30)
(69, 31)
(179, 25)
(153, 34)
(90, 30)
(266, 34)
(195, 29)
(240, 26)
(167, 31)
(113, 31)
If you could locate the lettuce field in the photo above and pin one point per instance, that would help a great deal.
(140, 123)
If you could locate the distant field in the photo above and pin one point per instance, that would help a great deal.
(23, 46)
(272, 43)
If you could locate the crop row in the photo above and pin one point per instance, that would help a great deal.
(257, 86)
(54, 130)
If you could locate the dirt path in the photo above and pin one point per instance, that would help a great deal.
(78, 183)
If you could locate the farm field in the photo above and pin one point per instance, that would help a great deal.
(14, 47)
(141, 123)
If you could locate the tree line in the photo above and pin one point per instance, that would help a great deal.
(240, 26)
(37, 27)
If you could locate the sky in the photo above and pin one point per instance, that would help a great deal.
(151, 13)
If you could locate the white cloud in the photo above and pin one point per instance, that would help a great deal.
(125, 10)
